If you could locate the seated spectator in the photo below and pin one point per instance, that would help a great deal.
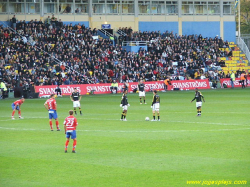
(197, 75)
(222, 63)
(77, 10)
(59, 55)
(114, 87)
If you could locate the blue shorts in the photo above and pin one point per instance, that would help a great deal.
(13, 107)
(52, 114)
(71, 134)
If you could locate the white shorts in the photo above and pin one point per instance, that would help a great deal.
(156, 107)
(76, 104)
(198, 104)
(141, 94)
(125, 107)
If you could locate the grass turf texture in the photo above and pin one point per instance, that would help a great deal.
(179, 148)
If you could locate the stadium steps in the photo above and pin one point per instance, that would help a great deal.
(121, 32)
(237, 61)
(103, 34)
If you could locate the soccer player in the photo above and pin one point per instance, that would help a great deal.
(156, 105)
(17, 106)
(70, 124)
(124, 104)
(76, 98)
(51, 106)
(198, 97)
(141, 87)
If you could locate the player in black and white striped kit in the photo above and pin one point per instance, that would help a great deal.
(156, 105)
(76, 98)
(124, 104)
(141, 87)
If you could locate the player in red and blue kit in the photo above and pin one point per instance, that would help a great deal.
(70, 124)
(17, 106)
(51, 106)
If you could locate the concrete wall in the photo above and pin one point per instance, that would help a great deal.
(134, 48)
(206, 29)
(229, 31)
(158, 26)
(86, 23)
(116, 21)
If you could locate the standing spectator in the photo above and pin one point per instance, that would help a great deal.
(53, 21)
(246, 79)
(67, 9)
(60, 23)
(242, 79)
(167, 83)
(58, 91)
(48, 21)
(13, 20)
(232, 79)
(3, 89)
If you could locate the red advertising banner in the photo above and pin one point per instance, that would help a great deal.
(236, 82)
(105, 88)
(82, 88)
(191, 84)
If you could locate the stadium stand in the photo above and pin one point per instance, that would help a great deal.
(54, 54)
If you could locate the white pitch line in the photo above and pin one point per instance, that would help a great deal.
(90, 114)
(200, 122)
(6, 120)
(192, 122)
(163, 130)
(212, 112)
(129, 131)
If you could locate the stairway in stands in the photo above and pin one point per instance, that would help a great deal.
(104, 34)
(121, 32)
(237, 61)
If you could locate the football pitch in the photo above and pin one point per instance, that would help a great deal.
(180, 150)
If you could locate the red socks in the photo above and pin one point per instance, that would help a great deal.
(66, 144)
(57, 124)
(74, 144)
(50, 123)
(13, 113)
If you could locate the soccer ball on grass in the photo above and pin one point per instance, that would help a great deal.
(147, 118)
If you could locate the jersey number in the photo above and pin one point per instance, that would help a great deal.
(70, 122)
(50, 104)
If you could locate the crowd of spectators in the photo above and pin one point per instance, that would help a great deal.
(52, 53)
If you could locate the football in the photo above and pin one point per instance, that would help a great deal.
(147, 118)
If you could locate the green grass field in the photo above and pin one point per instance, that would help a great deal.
(179, 148)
